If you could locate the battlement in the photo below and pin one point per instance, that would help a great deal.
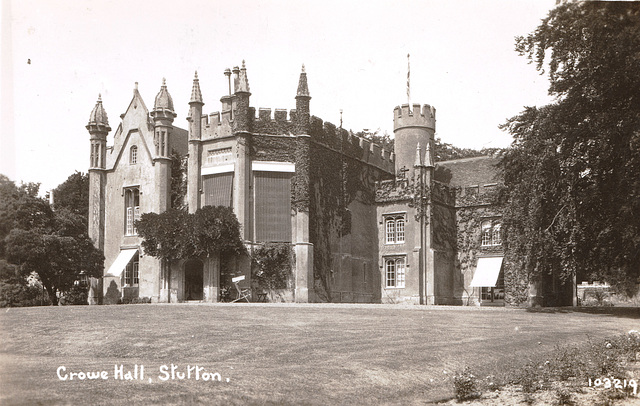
(273, 122)
(217, 125)
(417, 116)
(281, 115)
(351, 145)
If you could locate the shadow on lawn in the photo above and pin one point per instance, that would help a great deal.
(627, 312)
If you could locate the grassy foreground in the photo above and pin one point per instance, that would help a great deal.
(275, 354)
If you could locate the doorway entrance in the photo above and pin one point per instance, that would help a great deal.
(193, 280)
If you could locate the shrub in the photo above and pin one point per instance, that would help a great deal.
(77, 295)
(19, 295)
(15, 291)
(564, 397)
(465, 386)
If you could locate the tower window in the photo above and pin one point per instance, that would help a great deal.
(133, 155)
(132, 210)
(394, 229)
(394, 272)
(491, 233)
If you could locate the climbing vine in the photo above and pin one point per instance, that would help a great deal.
(272, 265)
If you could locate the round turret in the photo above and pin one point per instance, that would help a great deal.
(412, 128)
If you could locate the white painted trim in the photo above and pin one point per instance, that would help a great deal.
(267, 166)
(212, 170)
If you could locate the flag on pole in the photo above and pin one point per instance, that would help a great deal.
(409, 82)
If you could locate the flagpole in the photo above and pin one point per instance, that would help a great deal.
(409, 82)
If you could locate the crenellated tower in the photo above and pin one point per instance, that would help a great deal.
(163, 115)
(195, 137)
(412, 127)
(98, 128)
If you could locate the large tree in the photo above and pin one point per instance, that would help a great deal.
(73, 194)
(53, 244)
(572, 175)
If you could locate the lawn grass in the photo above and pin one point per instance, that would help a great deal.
(275, 354)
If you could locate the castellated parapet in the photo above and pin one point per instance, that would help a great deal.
(418, 116)
(284, 123)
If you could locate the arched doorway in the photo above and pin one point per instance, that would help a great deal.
(193, 280)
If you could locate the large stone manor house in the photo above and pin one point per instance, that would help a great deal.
(366, 223)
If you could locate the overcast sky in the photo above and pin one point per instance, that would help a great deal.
(57, 56)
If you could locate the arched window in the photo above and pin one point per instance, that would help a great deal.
(491, 233)
(400, 229)
(391, 230)
(394, 229)
(394, 272)
(133, 155)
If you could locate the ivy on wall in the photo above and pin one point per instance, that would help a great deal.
(471, 209)
(337, 178)
(272, 265)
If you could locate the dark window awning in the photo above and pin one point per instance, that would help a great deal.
(487, 272)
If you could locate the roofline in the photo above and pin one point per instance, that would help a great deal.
(475, 158)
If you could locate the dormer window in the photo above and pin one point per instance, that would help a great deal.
(133, 155)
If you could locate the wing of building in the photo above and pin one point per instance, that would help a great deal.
(363, 222)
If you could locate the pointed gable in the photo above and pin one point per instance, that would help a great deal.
(134, 119)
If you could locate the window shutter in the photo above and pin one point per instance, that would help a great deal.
(218, 189)
(272, 206)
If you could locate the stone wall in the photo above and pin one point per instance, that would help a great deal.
(343, 223)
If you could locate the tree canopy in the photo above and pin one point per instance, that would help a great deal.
(73, 194)
(54, 244)
(572, 175)
(177, 234)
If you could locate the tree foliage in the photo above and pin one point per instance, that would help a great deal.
(53, 244)
(73, 194)
(177, 234)
(14, 289)
(444, 151)
(572, 176)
